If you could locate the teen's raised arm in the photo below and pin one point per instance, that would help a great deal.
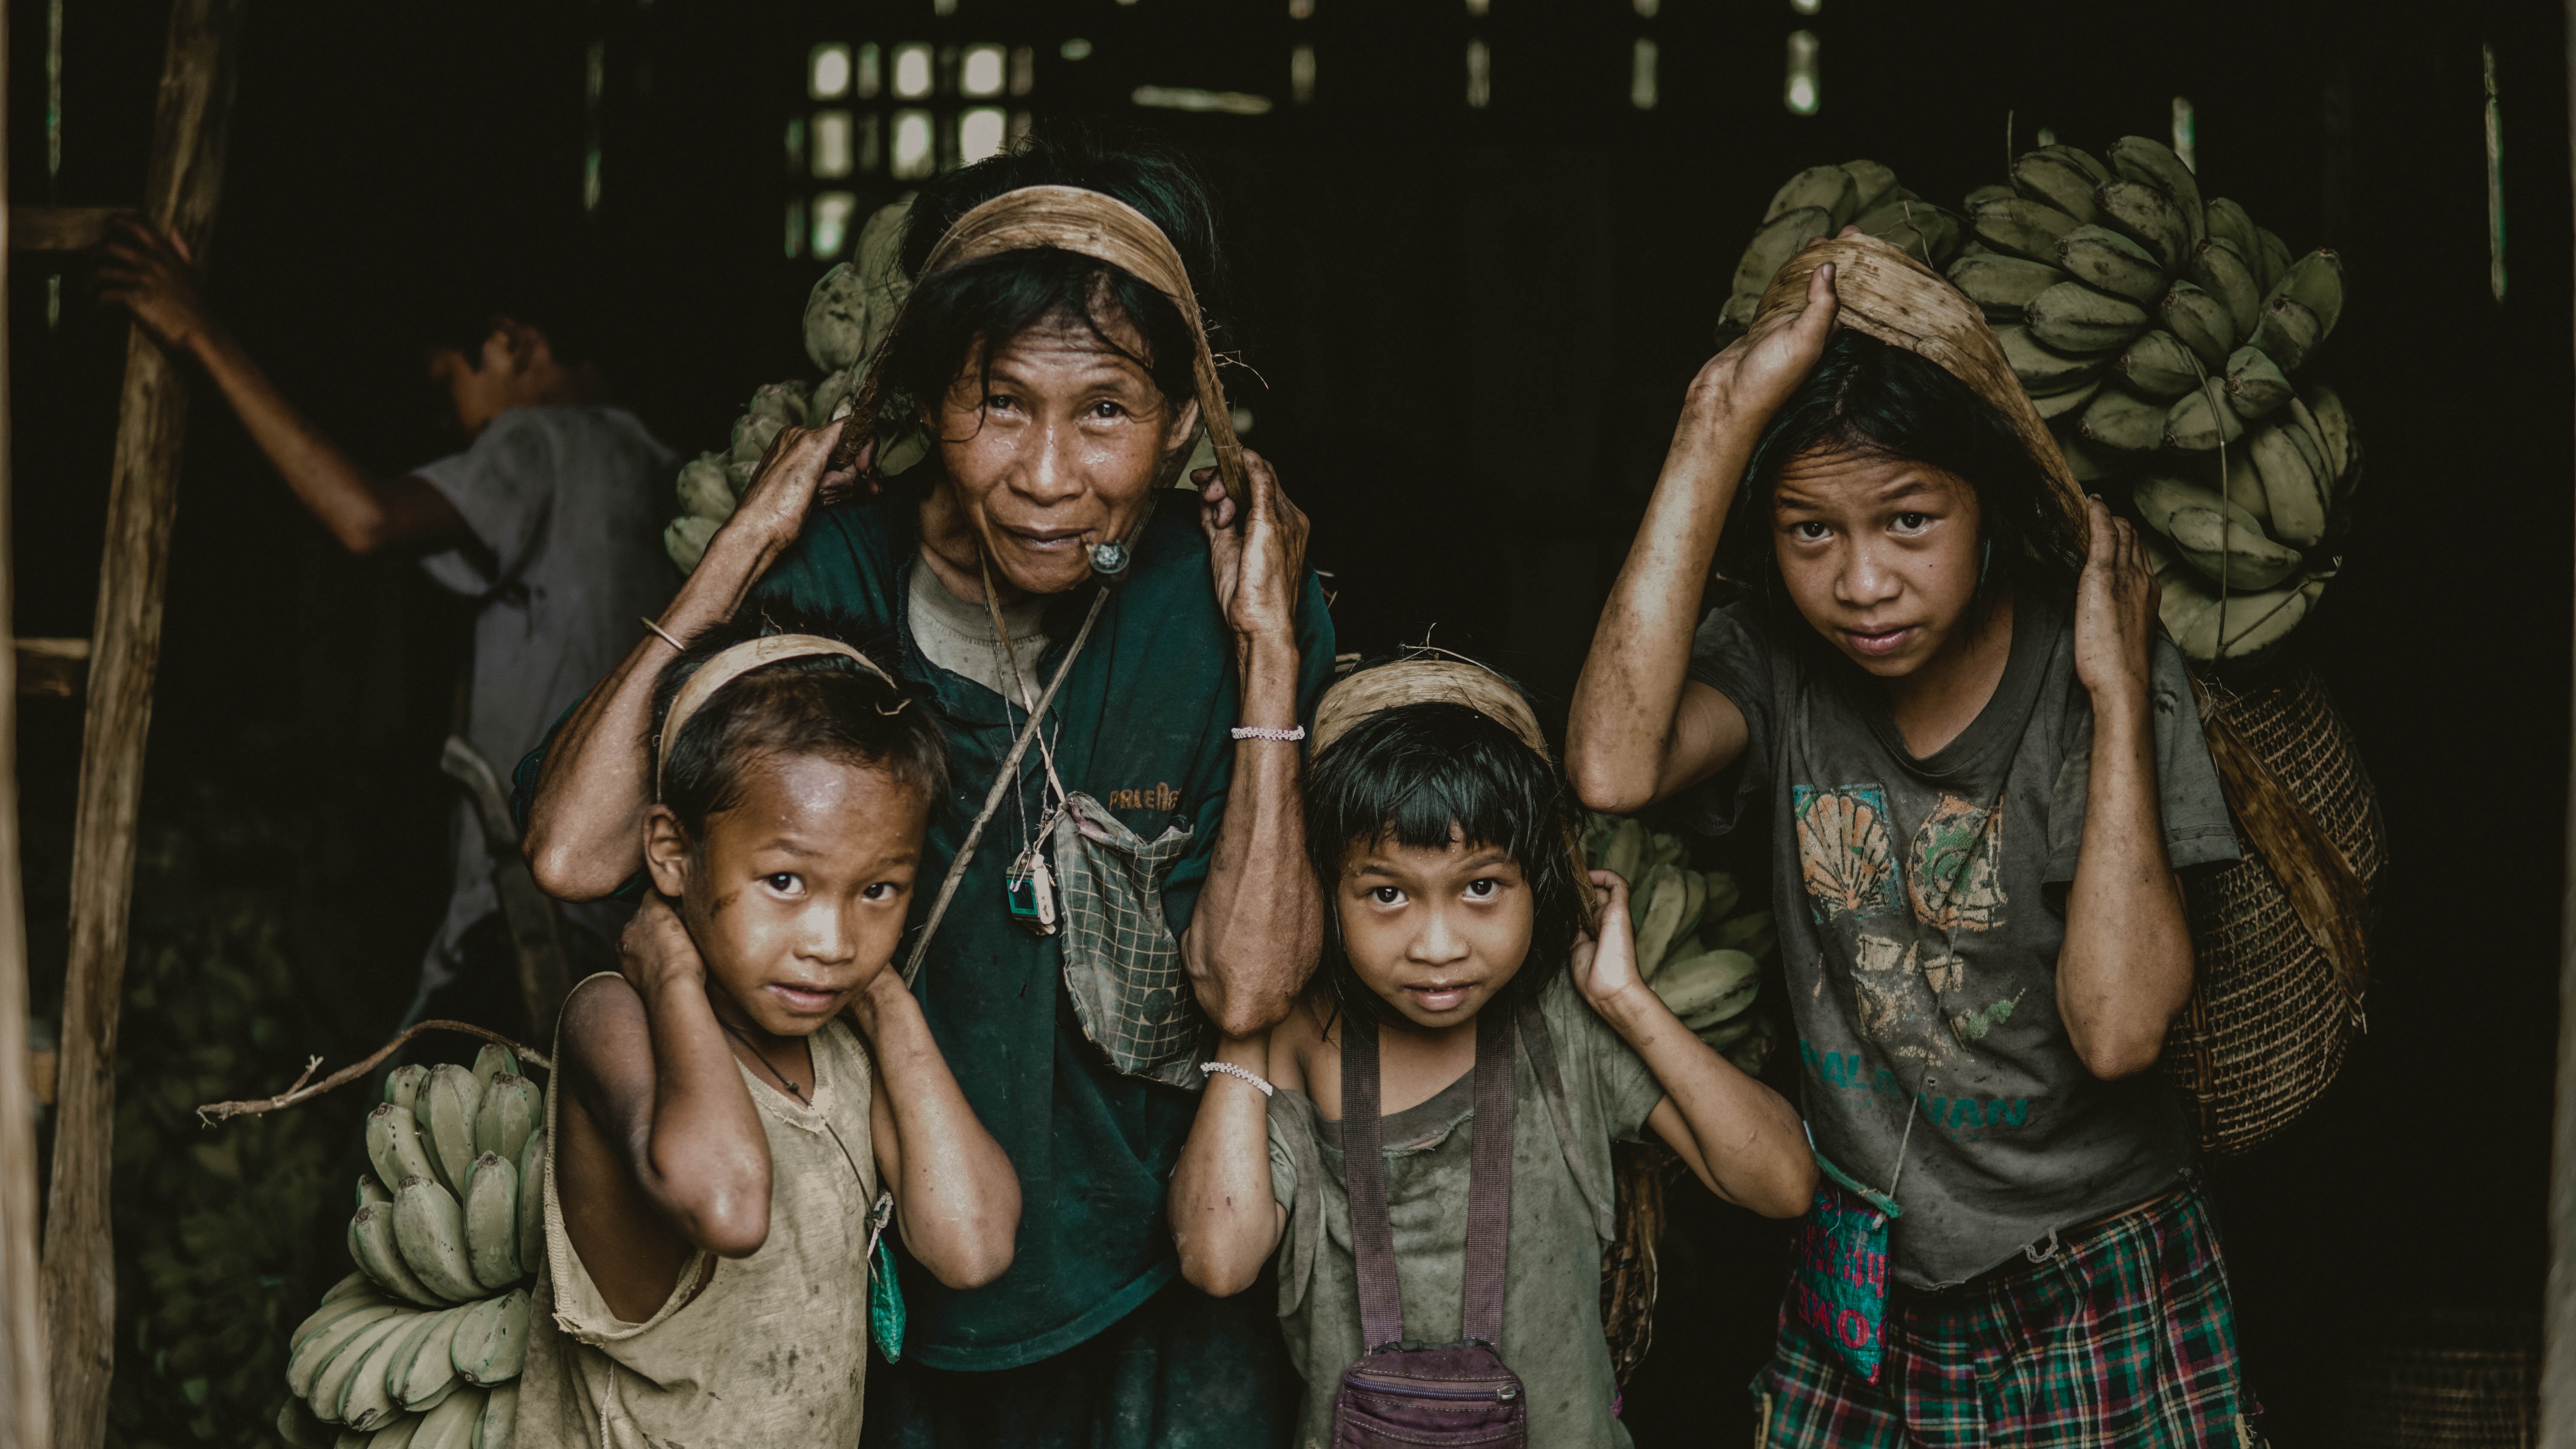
(586, 826)
(1639, 729)
(1741, 1138)
(1225, 1220)
(956, 1199)
(2124, 971)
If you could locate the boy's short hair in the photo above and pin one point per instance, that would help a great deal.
(816, 705)
(1414, 772)
(558, 298)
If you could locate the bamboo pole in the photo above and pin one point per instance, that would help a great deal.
(2558, 1315)
(79, 1272)
(25, 1422)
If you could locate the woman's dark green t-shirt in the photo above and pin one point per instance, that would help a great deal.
(1141, 725)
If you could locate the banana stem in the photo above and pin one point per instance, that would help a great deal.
(213, 1112)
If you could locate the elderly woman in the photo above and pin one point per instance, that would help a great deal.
(1051, 351)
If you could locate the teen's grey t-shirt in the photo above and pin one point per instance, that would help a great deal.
(1921, 925)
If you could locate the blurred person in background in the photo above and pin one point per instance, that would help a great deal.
(549, 519)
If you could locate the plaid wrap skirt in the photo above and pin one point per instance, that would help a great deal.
(2124, 1338)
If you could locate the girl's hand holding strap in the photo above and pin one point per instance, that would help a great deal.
(1739, 1137)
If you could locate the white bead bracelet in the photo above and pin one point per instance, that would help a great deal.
(1241, 1074)
(1258, 732)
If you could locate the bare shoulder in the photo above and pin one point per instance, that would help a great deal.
(605, 1034)
(1301, 1045)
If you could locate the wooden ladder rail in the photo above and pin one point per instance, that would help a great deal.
(190, 120)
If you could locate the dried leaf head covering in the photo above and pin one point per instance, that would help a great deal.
(730, 664)
(1884, 293)
(1425, 679)
(1096, 225)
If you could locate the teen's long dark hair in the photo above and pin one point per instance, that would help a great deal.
(1000, 297)
(1872, 400)
(1418, 773)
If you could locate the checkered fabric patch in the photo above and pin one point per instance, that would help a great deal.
(2124, 1339)
(1121, 964)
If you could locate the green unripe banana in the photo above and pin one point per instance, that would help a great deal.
(2255, 383)
(2072, 317)
(2088, 463)
(2227, 221)
(2062, 404)
(2201, 321)
(2055, 181)
(703, 489)
(318, 1348)
(2110, 261)
(492, 1342)
(2156, 364)
(403, 1083)
(2154, 162)
(2043, 371)
(490, 1062)
(686, 540)
(2245, 487)
(371, 1191)
(429, 1232)
(2214, 536)
(1740, 310)
(2276, 258)
(532, 1202)
(2200, 420)
(1829, 189)
(1712, 981)
(1751, 933)
(356, 1285)
(2021, 227)
(500, 1416)
(492, 1222)
(2002, 286)
(2315, 282)
(1724, 894)
(446, 1119)
(2302, 427)
(1778, 240)
(2118, 418)
(1994, 192)
(2287, 333)
(428, 1374)
(2216, 267)
(365, 1401)
(1872, 183)
(335, 1309)
(331, 1386)
(451, 1424)
(1917, 228)
(2206, 627)
(2079, 158)
(372, 1248)
(1627, 846)
(2334, 429)
(394, 1146)
(507, 1116)
(2147, 215)
(1694, 904)
(2292, 492)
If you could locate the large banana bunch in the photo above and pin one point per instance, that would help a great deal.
(1821, 201)
(847, 317)
(421, 1347)
(1694, 948)
(2159, 336)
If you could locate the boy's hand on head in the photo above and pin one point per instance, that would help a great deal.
(655, 951)
(1744, 385)
(2116, 602)
(1606, 968)
(152, 276)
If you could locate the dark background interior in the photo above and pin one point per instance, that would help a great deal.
(1474, 327)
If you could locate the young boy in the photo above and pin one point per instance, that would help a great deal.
(720, 1132)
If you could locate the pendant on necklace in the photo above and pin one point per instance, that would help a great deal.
(1029, 885)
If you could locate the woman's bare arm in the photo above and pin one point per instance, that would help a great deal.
(957, 1201)
(1225, 1219)
(2125, 970)
(1260, 918)
(586, 826)
(1638, 730)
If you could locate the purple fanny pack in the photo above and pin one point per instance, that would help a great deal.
(1404, 1395)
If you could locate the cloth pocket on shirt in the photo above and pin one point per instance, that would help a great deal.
(1839, 1289)
(1122, 965)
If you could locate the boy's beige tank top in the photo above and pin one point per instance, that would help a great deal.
(774, 1349)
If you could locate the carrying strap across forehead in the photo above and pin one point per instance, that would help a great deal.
(732, 664)
(1092, 224)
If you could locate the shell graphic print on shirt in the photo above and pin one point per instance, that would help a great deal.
(1920, 906)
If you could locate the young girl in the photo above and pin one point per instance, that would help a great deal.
(720, 1132)
(1459, 991)
(1984, 767)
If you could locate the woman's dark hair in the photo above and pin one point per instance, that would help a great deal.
(1868, 399)
(1000, 297)
(1417, 773)
(821, 704)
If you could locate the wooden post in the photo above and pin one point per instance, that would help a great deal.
(24, 1396)
(2558, 1304)
(189, 123)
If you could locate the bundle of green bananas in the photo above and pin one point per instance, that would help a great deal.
(1702, 957)
(2158, 336)
(1821, 201)
(420, 1346)
(847, 317)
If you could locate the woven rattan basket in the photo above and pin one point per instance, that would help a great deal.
(2272, 1013)
(2451, 1381)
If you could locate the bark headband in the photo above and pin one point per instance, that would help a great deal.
(1424, 681)
(1095, 225)
(733, 663)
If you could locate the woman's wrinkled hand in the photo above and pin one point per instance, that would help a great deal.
(655, 951)
(2116, 602)
(1256, 552)
(1749, 381)
(794, 477)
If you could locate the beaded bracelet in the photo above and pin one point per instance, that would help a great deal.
(1241, 1074)
(1257, 732)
